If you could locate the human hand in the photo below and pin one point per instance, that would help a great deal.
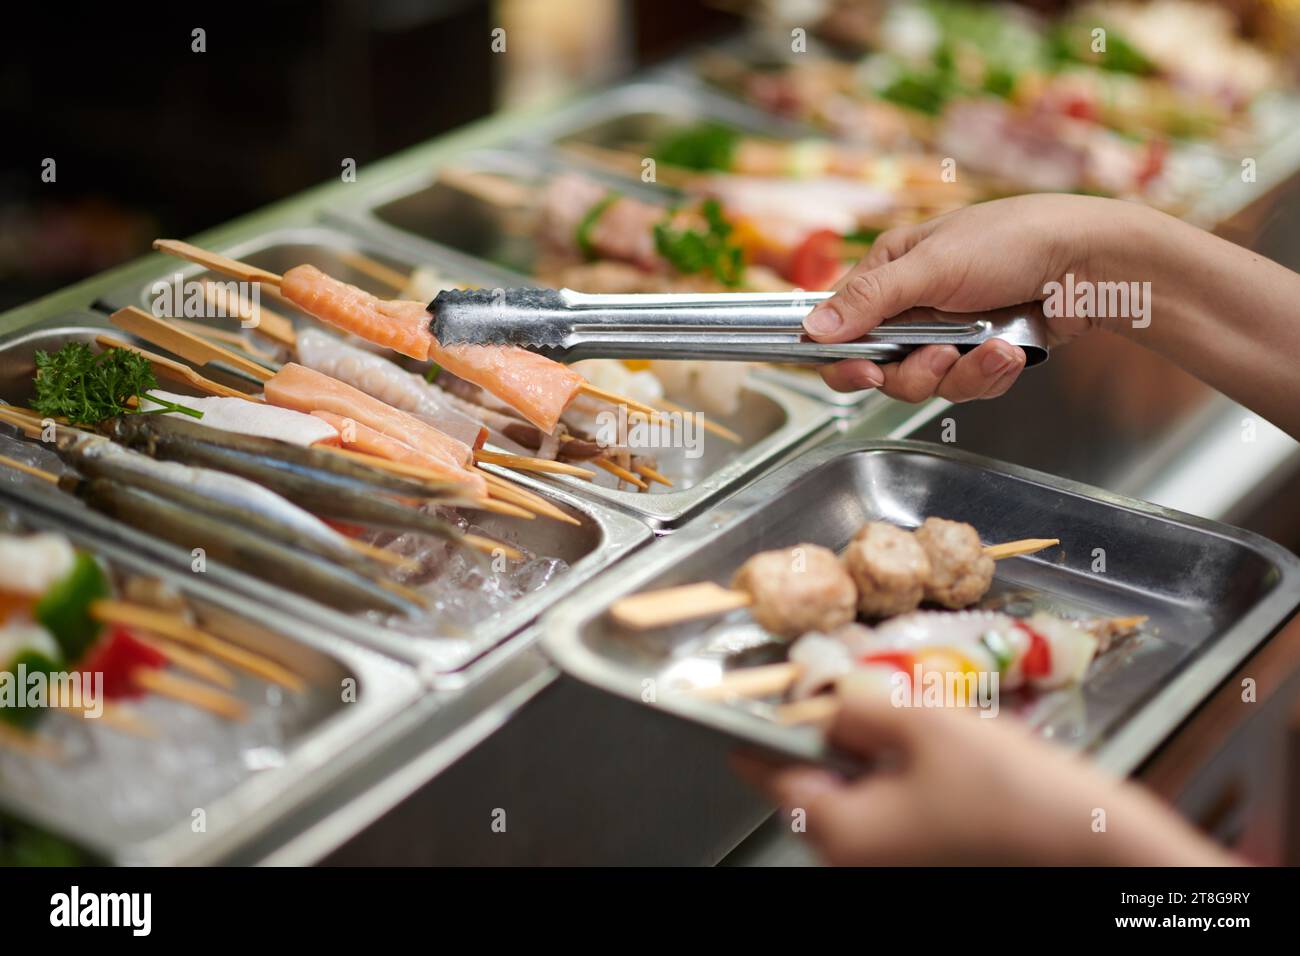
(985, 256)
(966, 790)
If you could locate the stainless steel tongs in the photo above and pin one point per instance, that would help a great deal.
(744, 326)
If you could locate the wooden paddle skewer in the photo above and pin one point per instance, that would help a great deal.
(374, 269)
(615, 469)
(214, 701)
(187, 345)
(511, 492)
(527, 463)
(174, 627)
(267, 322)
(709, 426)
(187, 660)
(177, 370)
(222, 336)
(704, 599)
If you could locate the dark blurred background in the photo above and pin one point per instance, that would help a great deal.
(152, 138)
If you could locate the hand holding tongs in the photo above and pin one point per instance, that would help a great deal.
(742, 326)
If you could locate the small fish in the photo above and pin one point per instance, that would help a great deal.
(322, 482)
(238, 547)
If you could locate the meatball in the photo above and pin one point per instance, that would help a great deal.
(960, 571)
(799, 589)
(889, 567)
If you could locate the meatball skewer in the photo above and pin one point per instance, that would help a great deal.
(793, 590)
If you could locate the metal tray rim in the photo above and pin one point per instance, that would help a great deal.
(1121, 752)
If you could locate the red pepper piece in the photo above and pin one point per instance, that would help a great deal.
(1038, 659)
(815, 264)
(117, 657)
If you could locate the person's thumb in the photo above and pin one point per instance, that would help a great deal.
(869, 722)
(868, 296)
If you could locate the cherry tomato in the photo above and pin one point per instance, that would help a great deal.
(815, 264)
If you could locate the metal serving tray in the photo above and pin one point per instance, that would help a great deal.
(1212, 592)
(603, 537)
(322, 737)
(771, 419)
(645, 111)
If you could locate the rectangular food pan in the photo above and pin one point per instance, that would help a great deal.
(445, 646)
(1212, 593)
(200, 786)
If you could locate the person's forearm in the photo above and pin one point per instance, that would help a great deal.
(1227, 315)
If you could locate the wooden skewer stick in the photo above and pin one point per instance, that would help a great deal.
(705, 599)
(750, 682)
(224, 336)
(174, 627)
(188, 692)
(177, 370)
(383, 555)
(373, 268)
(812, 710)
(614, 469)
(267, 322)
(187, 345)
(605, 395)
(186, 660)
(122, 719)
(645, 471)
(508, 491)
(217, 262)
(527, 463)
(491, 546)
(489, 187)
(29, 469)
(709, 426)
(30, 744)
(439, 484)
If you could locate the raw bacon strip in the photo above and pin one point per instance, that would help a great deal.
(304, 390)
(536, 387)
(358, 437)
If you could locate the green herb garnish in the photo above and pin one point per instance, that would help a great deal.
(704, 147)
(432, 372)
(690, 250)
(87, 387)
(582, 236)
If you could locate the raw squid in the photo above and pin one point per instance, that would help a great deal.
(249, 418)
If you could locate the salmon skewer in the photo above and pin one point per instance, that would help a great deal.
(538, 388)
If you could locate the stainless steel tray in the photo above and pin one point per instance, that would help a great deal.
(1213, 593)
(321, 737)
(604, 536)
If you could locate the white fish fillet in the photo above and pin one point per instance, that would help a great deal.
(250, 418)
(385, 380)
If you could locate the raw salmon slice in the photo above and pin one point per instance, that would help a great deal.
(305, 390)
(536, 387)
(358, 437)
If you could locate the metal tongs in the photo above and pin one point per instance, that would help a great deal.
(743, 326)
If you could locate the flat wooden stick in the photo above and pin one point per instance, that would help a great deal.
(751, 682)
(30, 744)
(382, 555)
(527, 463)
(225, 336)
(492, 189)
(188, 692)
(376, 270)
(712, 427)
(439, 483)
(30, 469)
(264, 321)
(1012, 549)
(676, 605)
(177, 370)
(187, 660)
(490, 546)
(216, 262)
(173, 627)
(614, 469)
(121, 719)
(813, 710)
(508, 491)
(187, 345)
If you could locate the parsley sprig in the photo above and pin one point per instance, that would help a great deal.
(86, 387)
(711, 250)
